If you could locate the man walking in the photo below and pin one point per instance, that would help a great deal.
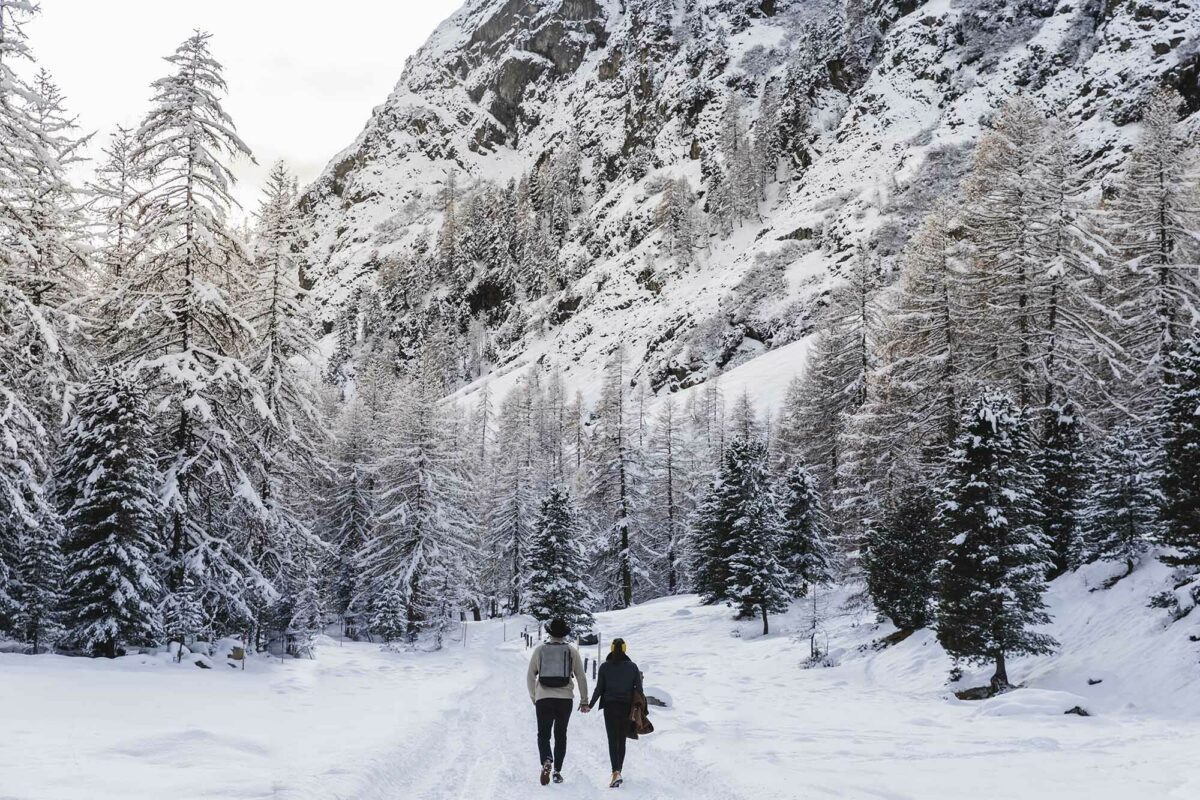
(552, 690)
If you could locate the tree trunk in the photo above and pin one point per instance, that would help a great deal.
(766, 625)
(1000, 679)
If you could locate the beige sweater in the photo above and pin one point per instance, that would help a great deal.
(539, 692)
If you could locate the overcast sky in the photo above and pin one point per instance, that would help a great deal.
(303, 75)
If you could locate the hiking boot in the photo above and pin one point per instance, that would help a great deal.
(545, 779)
(558, 778)
(616, 780)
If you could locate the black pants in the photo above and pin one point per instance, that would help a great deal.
(616, 723)
(553, 713)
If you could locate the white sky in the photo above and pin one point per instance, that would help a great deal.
(303, 75)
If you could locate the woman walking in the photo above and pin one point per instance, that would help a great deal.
(616, 684)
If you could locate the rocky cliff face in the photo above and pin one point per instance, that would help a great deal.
(894, 95)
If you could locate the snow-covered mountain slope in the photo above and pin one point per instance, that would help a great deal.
(745, 718)
(896, 91)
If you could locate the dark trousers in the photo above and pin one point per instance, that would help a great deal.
(553, 713)
(616, 723)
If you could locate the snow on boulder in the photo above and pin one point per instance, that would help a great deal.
(1030, 703)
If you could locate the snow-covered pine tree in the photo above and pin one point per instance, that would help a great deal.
(711, 534)
(1156, 227)
(308, 609)
(182, 337)
(388, 615)
(182, 612)
(712, 544)
(900, 554)
(615, 500)
(555, 584)
(39, 584)
(805, 550)
(1062, 465)
(836, 387)
(1181, 456)
(758, 581)
(1122, 510)
(706, 424)
(991, 576)
(106, 483)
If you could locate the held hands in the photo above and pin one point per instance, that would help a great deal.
(584, 708)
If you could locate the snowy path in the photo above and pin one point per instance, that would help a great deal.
(485, 746)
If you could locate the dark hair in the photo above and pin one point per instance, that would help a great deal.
(558, 628)
(617, 651)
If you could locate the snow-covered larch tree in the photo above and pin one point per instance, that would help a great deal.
(1156, 228)
(180, 332)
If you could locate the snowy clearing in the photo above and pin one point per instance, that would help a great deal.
(746, 719)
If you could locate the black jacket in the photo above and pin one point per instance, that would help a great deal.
(618, 679)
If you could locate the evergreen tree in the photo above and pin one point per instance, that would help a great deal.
(106, 492)
(308, 611)
(900, 555)
(804, 543)
(555, 586)
(1181, 463)
(1062, 465)
(182, 612)
(739, 500)
(991, 577)
(1122, 509)
(39, 595)
(388, 616)
(758, 580)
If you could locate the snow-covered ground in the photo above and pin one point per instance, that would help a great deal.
(746, 719)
